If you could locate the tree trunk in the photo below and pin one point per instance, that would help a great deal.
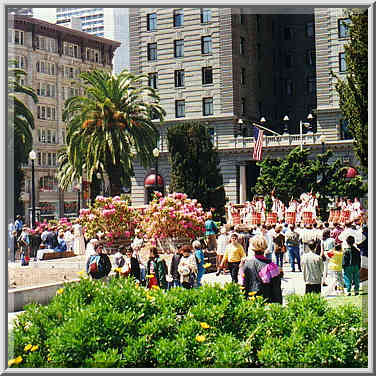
(114, 174)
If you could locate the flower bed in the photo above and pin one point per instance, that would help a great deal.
(122, 325)
(174, 217)
(112, 217)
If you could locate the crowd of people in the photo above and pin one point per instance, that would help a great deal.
(328, 254)
(25, 243)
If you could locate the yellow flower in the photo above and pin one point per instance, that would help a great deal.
(252, 293)
(118, 270)
(34, 348)
(48, 358)
(252, 298)
(28, 347)
(11, 362)
(150, 276)
(200, 338)
(82, 272)
(18, 360)
(241, 287)
(60, 291)
(207, 265)
(149, 297)
(204, 325)
(155, 287)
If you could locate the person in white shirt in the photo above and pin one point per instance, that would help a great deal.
(350, 231)
(222, 242)
(68, 237)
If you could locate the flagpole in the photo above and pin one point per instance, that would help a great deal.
(265, 129)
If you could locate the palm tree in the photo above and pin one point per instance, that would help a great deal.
(108, 125)
(20, 123)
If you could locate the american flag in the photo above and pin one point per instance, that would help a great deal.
(259, 136)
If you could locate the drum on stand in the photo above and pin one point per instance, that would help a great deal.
(290, 218)
(255, 219)
(345, 216)
(271, 219)
(307, 218)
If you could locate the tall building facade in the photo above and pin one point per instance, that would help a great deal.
(110, 23)
(219, 65)
(331, 36)
(53, 56)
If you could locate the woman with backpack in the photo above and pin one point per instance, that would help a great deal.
(98, 265)
(262, 277)
(157, 270)
(187, 268)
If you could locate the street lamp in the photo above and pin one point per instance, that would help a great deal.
(262, 120)
(78, 188)
(286, 119)
(156, 153)
(322, 139)
(309, 118)
(32, 156)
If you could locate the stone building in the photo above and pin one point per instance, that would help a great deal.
(53, 56)
(219, 65)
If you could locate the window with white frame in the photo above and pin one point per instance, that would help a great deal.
(16, 37)
(46, 44)
(206, 45)
(72, 50)
(151, 20)
(92, 55)
(46, 90)
(46, 112)
(178, 17)
(46, 67)
(20, 62)
(207, 105)
(180, 108)
(342, 62)
(48, 183)
(205, 15)
(343, 27)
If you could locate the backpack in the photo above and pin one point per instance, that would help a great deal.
(95, 265)
(268, 272)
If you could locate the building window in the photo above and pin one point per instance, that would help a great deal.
(211, 132)
(207, 106)
(206, 45)
(242, 107)
(152, 22)
(310, 31)
(343, 27)
(311, 85)
(310, 57)
(180, 108)
(243, 76)
(344, 129)
(154, 114)
(18, 37)
(207, 75)
(258, 51)
(48, 183)
(258, 23)
(289, 87)
(20, 62)
(153, 80)
(288, 33)
(179, 78)
(178, 17)
(152, 51)
(342, 62)
(205, 15)
(179, 48)
(242, 46)
(289, 60)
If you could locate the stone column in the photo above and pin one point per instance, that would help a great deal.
(243, 183)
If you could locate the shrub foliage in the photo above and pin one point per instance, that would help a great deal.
(122, 325)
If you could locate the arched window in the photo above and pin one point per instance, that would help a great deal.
(48, 184)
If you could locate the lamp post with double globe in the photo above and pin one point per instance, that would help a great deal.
(32, 157)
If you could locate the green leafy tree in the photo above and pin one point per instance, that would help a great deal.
(20, 123)
(108, 126)
(353, 90)
(296, 174)
(195, 166)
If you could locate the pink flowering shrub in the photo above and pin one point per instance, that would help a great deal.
(111, 216)
(173, 216)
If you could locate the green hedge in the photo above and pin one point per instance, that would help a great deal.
(120, 324)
